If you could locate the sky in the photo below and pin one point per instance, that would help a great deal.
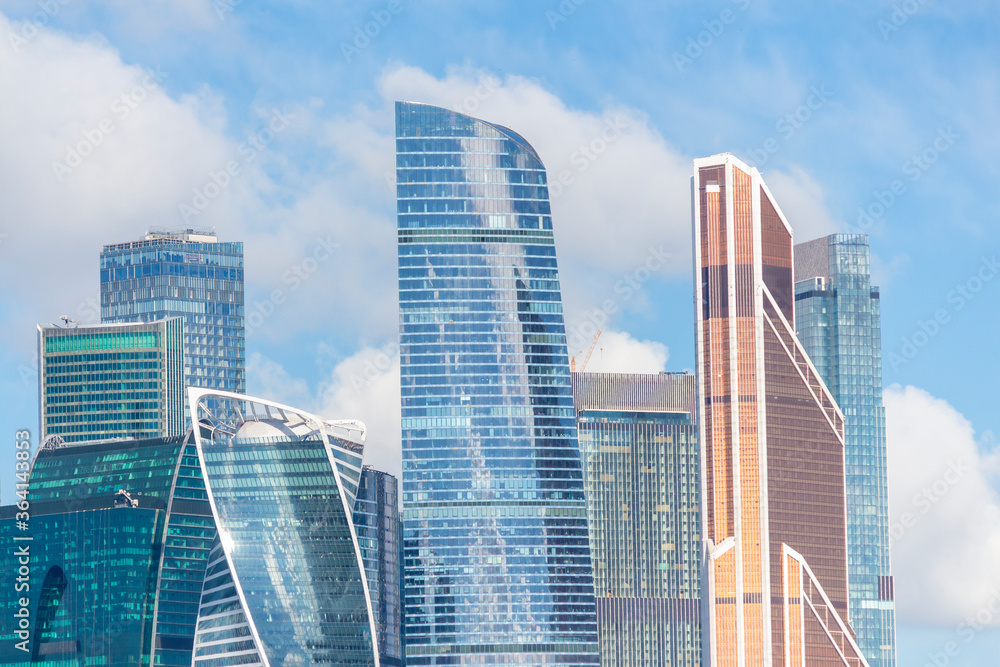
(271, 122)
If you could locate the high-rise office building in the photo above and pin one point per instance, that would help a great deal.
(188, 274)
(285, 582)
(772, 441)
(639, 444)
(376, 521)
(497, 557)
(231, 545)
(118, 537)
(111, 380)
(838, 317)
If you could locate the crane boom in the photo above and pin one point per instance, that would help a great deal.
(593, 344)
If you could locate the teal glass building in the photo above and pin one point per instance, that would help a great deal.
(838, 315)
(639, 443)
(118, 533)
(497, 566)
(189, 274)
(111, 381)
(285, 582)
(376, 521)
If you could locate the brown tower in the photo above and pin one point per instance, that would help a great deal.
(772, 437)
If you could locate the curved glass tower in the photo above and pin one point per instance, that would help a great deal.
(497, 561)
(285, 583)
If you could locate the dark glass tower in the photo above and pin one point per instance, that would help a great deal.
(118, 535)
(838, 315)
(376, 521)
(639, 444)
(497, 558)
(188, 274)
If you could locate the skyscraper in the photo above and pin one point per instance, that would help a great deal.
(497, 555)
(118, 537)
(111, 381)
(188, 274)
(639, 446)
(285, 582)
(772, 441)
(838, 316)
(376, 521)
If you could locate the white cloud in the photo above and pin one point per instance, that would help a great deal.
(618, 352)
(803, 202)
(944, 509)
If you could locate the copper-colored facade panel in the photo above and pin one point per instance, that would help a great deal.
(772, 438)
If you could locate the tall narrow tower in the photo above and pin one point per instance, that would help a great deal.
(496, 547)
(772, 441)
(838, 317)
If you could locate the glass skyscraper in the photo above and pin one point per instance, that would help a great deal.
(772, 442)
(639, 445)
(111, 381)
(838, 315)
(497, 562)
(118, 537)
(189, 274)
(376, 521)
(285, 583)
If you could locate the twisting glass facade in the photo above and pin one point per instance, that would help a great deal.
(838, 314)
(119, 535)
(111, 381)
(376, 521)
(640, 460)
(191, 275)
(285, 583)
(497, 561)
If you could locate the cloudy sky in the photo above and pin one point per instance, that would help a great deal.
(271, 122)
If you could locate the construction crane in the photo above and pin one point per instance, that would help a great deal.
(586, 359)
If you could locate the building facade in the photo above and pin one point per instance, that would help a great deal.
(376, 521)
(192, 275)
(111, 381)
(639, 444)
(838, 317)
(497, 562)
(285, 582)
(772, 441)
(119, 536)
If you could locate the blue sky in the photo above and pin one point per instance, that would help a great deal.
(889, 108)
